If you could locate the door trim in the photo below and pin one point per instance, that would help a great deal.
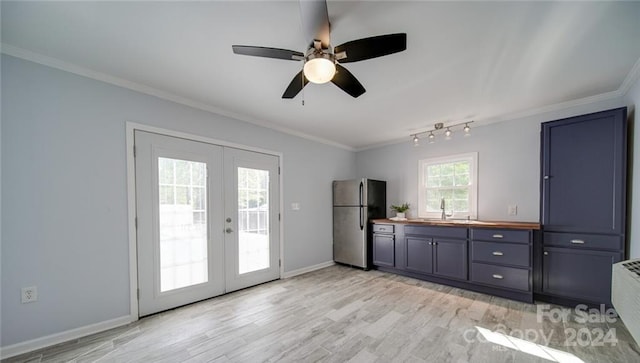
(131, 127)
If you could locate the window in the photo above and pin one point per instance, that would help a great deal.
(452, 178)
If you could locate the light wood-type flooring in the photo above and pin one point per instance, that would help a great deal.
(341, 314)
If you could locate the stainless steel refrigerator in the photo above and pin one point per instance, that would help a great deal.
(355, 202)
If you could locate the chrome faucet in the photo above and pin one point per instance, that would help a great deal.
(444, 215)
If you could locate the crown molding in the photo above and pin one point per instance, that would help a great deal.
(28, 55)
(513, 116)
(631, 79)
(552, 108)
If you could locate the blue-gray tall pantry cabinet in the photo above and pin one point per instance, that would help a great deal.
(583, 207)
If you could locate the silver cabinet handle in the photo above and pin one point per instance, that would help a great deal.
(546, 253)
(496, 276)
(577, 241)
(498, 253)
(228, 230)
(498, 236)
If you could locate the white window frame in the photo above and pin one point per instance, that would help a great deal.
(473, 185)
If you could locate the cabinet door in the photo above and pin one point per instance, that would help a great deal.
(583, 173)
(579, 274)
(419, 254)
(383, 249)
(450, 258)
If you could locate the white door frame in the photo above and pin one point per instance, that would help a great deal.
(131, 197)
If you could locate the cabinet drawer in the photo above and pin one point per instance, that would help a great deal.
(383, 228)
(507, 235)
(507, 277)
(431, 231)
(582, 240)
(502, 253)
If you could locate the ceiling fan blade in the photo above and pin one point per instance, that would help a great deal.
(315, 21)
(347, 82)
(267, 52)
(367, 48)
(295, 86)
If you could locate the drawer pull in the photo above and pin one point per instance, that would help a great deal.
(498, 236)
(546, 253)
(498, 277)
(577, 241)
(498, 253)
(382, 229)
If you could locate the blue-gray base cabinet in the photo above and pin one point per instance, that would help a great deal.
(487, 260)
(383, 245)
(583, 207)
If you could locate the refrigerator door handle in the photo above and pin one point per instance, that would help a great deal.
(360, 205)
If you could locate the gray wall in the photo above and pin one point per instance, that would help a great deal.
(632, 99)
(508, 163)
(64, 205)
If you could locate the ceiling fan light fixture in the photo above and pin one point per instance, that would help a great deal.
(319, 67)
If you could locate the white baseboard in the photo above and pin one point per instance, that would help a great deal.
(57, 338)
(304, 270)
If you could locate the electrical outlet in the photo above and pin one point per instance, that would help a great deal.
(295, 206)
(29, 294)
(512, 210)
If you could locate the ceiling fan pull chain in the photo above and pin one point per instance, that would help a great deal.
(302, 80)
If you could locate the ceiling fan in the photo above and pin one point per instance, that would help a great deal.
(321, 64)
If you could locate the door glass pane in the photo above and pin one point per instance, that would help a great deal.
(253, 220)
(183, 223)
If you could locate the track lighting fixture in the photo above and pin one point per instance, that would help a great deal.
(416, 140)
(448, 132)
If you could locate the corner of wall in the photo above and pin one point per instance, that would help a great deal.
(632, 99)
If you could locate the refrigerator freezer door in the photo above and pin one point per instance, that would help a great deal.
(376, 198)
(349, 241)
(349, 193)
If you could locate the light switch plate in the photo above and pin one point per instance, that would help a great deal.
(512, 210)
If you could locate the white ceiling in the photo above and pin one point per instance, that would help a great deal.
(464, 61)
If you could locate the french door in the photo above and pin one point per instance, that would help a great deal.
(251, 238)
(207, 220)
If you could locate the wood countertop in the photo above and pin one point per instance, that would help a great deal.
(463, 223)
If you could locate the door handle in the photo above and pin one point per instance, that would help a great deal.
(228, 219)
(361, 206)
(228, 230)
